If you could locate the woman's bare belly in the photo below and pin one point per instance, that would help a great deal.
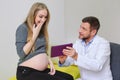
(39, 62)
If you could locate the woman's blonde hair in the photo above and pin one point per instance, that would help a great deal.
(30, 21)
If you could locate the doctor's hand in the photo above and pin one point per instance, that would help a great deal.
(69, 51)
(62, 59)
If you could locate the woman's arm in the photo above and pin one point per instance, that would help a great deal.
(29, 45)
(52, 68)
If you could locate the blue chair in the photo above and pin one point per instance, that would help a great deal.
(115, 60)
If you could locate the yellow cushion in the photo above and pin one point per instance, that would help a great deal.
(73, 70)
(13, 78)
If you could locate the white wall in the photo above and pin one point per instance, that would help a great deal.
(13, 14)
(106, 10)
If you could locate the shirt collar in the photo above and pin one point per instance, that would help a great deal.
(83, 41)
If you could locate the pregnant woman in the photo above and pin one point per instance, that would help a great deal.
(32, 46)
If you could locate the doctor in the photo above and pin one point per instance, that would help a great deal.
(90, 52)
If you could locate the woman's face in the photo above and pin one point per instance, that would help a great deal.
(41, 16)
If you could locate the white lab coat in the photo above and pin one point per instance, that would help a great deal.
(94, 61)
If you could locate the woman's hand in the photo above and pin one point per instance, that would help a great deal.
(52, 69)
(36, 29)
